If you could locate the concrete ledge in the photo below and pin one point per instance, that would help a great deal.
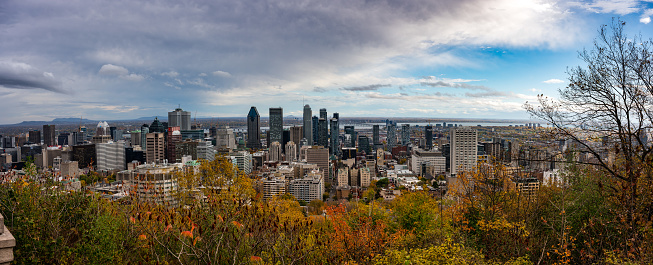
(7, 244)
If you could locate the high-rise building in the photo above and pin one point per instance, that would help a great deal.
(275, 151)
(155, 145)
(463, 149)
(49, 135)
(364, 144)
(366, 176)
(375, 135)
(174, 137)
(309, 188)
(405, 134)
(243, 161)
(335, 131)
(296, 135)
(179, 118)
(318, 155)
(428, 134)
(308, 124)
(315, 122)
(422, 158)
(323, 113)
(291, 151)
(35, 136)
(392, 136)
(350, 136)
(253, 129)
(145, 129)
(205, 151)
(276, 125)
(225, 138)
(157, 126)
(110, 156)
(322, 133)
(136, 138)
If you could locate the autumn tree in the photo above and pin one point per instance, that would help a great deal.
(610, 101)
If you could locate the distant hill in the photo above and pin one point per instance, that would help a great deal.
(57, 121)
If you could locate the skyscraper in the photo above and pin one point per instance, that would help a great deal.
(375, 134)
(296, 135)
(253, 129)
(322, 132)
(405, 134)
(315, 123)
(308, 124)
(350, 136)
(276, 125)
(155, 145)
(275, 151)
(179, 118)
(463, 150)
(392, 136)
(323, 113)
(335, 131)
(428, 134)
(48, 135)
(35, 136)
(157, 126)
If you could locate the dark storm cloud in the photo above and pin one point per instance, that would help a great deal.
(24, 76)
(365, 88)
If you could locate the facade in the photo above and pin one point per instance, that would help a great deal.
(135, 138)
(350, 136)
(179, 118)
(253, 129)
(308, 124)
(296, 135)
(110, 156)
(157, 126)
(35, 136)
(463, 149)
(291, 151)
(309, 188)
(205, 151)
(343, 177)
(428, 134)
(405, 134)
(315, 123)
(365, 176)
(322, 133)
(49, 135)
(364, 145)
(225, 138)
(152, 183)
(276, 125)
(392, 136)
(431, 159)
(375, 135)
(145, 129)
(318, 155)
(155, 146)
(275, 151)
(273, 187)
(335, 135)
(174, 137)
(243, 161)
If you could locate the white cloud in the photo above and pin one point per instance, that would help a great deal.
(221, 74)
(110, 69)
(133, 77)
(645, 20)
(620, 7)
(553, 81)
(170, 74)
(202, 74)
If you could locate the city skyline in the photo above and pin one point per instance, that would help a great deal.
(441, 59)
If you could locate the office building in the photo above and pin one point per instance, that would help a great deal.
(174, 137)
(309, 188)
(276, 125)
(49, 135)
(405, 134)
(243, 161)
(157, 126)
(205, 150)
(322, 133)
(225, 138)
(318, 155)
(350, 136)
(392, 136)
(308, 124)
(421, 159)
(275, 152)
(463, 149)
(273, 186)
(296, 135)
(152, 183)
(145, 129)
(365, 175)
(428, 134)
(342, 178)
(35, 137)
(375, 135)
(253, 129)
(335, 137)
(110, 155)
(291, 151)
(155, 146)
(315, 122)
(179, 118)
(135, 138)
(364, 145)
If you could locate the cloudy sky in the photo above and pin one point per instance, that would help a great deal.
(422, 58)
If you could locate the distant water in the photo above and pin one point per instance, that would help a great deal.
(364, 126)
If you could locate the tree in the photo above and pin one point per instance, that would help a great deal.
(611, 100)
